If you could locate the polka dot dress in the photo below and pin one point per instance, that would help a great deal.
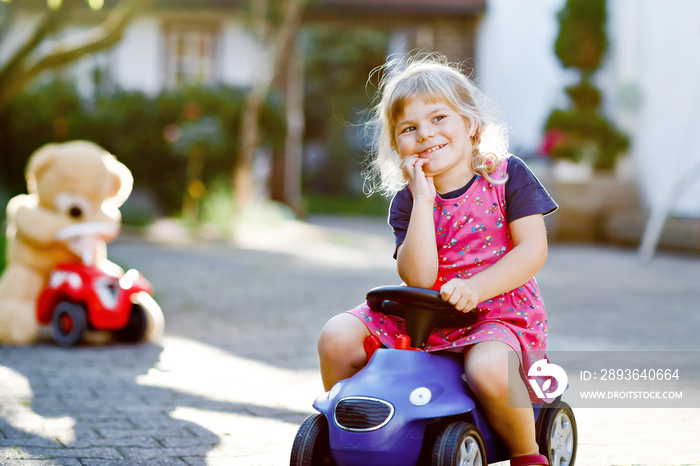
(472, 234)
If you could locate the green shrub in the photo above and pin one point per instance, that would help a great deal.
(217, 207)
(582, 43)
(3, 256)
(136, 128)
(582, 132)
(139, 210)
(4, 199)
(52, 113)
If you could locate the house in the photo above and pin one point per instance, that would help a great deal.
(446, 25)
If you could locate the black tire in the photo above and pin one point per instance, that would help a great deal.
(557, 435)
(68, 323)
(459, 443)
(311, 445)
(136, 327)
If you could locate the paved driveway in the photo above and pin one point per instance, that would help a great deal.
(237, 371)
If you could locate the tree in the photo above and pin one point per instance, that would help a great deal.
(581, 132)
(276, 30)
(26, 62)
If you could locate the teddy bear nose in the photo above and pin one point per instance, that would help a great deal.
(75, 212)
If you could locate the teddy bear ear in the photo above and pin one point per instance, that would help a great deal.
(122, 180)
(38, 162)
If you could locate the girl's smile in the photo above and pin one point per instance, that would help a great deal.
(431, 150)
(434, 132)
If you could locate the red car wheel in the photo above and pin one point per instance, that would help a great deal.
(65, 324)
(136, 327)
(68, 323)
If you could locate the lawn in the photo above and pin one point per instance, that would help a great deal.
(373, 206)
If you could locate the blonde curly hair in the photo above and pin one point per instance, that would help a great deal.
(433, 78)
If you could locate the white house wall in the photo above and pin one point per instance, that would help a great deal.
(516, 66)
(137, 60)
(240, 56)
(654, 75)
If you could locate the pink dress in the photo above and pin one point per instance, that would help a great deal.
(472, 234)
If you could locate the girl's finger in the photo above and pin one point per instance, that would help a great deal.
(446, 292)
(462, 304)
(409, 160)
(409, 166)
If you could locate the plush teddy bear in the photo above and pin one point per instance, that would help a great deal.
(70, 185)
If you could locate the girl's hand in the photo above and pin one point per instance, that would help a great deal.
(461, 293)
(422, 186)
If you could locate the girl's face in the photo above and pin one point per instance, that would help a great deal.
(433, 131)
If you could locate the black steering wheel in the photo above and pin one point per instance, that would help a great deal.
(422, 309)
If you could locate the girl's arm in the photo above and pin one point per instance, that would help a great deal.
(515, 268)
(416, 258)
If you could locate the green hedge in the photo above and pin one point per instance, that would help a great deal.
(135, 128)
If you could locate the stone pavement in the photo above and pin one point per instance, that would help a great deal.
(237, 371)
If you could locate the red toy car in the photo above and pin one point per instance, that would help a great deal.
(81, 296)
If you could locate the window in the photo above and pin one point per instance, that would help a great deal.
(190, 54)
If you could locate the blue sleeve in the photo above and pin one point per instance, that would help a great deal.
(400, 215)
(525, 195)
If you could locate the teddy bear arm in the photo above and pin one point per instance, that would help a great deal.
(34, 222)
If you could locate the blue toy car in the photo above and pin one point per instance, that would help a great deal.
(413, 407)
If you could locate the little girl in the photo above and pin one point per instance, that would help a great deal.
(468, 221)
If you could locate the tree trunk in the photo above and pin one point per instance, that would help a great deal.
(250, 134)
(250, 130)
(294, 143)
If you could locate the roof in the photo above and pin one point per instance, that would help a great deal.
(199, 4)
(400, 7)
(352, 7)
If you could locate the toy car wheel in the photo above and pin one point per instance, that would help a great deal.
(557, 434)
(311, 445)
(68, 323)
(136, 327)
(459, 443)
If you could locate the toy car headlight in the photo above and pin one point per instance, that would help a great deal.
(129, 278)
(420, 396)
(334, 391)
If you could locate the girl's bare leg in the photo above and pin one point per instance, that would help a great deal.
(489, 377)
(341, 349)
